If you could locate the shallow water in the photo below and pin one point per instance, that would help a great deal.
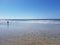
(29, 34)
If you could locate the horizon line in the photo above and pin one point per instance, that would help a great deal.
(25, 19)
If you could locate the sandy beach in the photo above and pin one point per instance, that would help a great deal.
(30, 34)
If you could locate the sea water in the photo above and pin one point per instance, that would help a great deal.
(18, 29)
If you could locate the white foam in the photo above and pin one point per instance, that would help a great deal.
(42, 22)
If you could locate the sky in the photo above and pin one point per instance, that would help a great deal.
(29, 9)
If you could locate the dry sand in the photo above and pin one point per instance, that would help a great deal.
(30, 38)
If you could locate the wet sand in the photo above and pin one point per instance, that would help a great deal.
(30, 34)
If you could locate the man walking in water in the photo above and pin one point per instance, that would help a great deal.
(8, 23)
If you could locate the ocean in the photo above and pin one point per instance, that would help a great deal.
(30, 32)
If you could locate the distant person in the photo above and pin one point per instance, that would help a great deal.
(7, 22)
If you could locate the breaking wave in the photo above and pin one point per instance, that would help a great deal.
(42, 22)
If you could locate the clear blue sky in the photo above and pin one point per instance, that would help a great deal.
(29, 9)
